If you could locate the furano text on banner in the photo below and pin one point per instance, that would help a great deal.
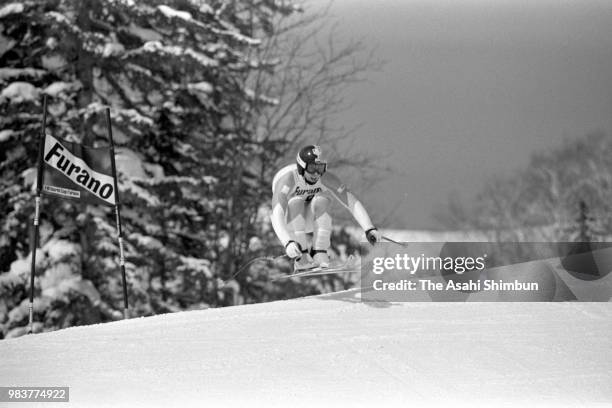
(78, 172)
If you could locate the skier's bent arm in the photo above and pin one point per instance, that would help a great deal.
(278, 223)
(349, 201)
(359, 212)
(279, 210)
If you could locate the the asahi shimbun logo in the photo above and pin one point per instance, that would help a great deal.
(78, 171)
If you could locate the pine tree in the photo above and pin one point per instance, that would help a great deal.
(173, 73)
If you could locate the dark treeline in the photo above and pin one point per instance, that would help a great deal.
(207, 99)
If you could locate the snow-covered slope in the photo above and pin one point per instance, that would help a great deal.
(330, 350)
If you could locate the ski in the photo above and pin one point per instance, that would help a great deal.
(346, 267)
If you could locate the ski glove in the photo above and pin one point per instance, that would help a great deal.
(293, 249)
(373, 236)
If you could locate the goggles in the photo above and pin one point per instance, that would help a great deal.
(318, 167)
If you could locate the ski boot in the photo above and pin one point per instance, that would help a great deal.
(321, 258)
(303, 263)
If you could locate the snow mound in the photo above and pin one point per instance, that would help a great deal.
(330, 350)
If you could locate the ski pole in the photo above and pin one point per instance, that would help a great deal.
(252, 261)
(403, 244)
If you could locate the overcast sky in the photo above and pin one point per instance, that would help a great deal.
(472, 88)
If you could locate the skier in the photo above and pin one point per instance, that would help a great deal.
(301, 197)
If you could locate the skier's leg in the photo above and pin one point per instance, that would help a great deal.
(296, 221)
(309, 221)
(322, 229)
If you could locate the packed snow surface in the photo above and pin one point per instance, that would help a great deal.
(330, 350)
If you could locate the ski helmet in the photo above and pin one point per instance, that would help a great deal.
(309, 160)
